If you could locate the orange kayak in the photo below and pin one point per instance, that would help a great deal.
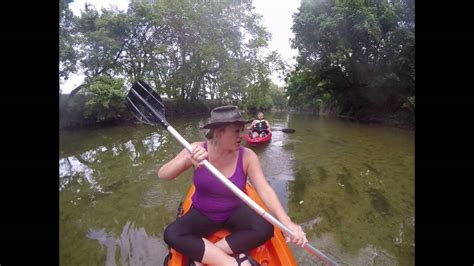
(274, 252)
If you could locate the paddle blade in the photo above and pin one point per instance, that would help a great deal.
(146, 104)
(288, 130)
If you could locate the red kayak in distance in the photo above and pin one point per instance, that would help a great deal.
(257, 140)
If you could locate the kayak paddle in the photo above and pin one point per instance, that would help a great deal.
(286, 130)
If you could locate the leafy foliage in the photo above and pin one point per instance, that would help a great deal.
(259, 97)
(67, 41)
(105, 98)
(354, 55)
(278, 96)
(189, 50)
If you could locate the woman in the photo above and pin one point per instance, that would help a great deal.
(260, 127)
(214, 206)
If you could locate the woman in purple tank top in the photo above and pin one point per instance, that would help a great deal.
(214, 205)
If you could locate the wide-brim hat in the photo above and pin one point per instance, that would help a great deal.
(224, 115)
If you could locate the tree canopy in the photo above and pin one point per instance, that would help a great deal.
(189, 50)
(355, 56)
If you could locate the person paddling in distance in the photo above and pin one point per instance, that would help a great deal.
(214, 206)
(260, 127)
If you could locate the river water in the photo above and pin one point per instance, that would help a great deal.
(350, 185)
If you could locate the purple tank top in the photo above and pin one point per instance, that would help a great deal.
(214, 199)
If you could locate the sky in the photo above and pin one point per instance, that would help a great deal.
(277, 18)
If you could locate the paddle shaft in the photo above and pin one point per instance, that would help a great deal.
(239, 193)
(285, 130)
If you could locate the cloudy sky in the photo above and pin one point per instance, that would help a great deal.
(277, 17)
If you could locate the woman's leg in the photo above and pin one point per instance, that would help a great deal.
(220, 254)
(249, 230)
(222, 244)
(185, 234)
(213, 255)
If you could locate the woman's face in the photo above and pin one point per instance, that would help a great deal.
(260, 115)
(231, 136)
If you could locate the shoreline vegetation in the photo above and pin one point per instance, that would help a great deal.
(72, 114)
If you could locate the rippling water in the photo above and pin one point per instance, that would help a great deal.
(351, 187)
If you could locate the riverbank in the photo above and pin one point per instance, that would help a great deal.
(71, 114)
(401, 121)
(393, 121)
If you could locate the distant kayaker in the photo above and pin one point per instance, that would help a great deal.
(260, 127)
(214, 206)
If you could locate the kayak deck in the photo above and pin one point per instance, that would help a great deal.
(274, 252)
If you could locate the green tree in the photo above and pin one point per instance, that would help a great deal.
(278, 96)
(360, 53)
(102, 37)
(67, 41)
(259, 97)
(190, 50)
(105, 98)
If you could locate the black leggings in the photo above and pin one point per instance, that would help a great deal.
(248, 231)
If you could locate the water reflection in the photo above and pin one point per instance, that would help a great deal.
(153, 142)
(91, 156)
(70, 167)
(84, 164)
(132, 151)
(133, 247)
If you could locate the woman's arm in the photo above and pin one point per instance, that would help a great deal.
(251, 125)
(182, 162)
(270, 198)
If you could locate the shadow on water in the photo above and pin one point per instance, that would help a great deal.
(379, 202)
(371, 168)
(344, 179)
(322, 173)
(300, 184)
(290, 146)
(336, 141)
